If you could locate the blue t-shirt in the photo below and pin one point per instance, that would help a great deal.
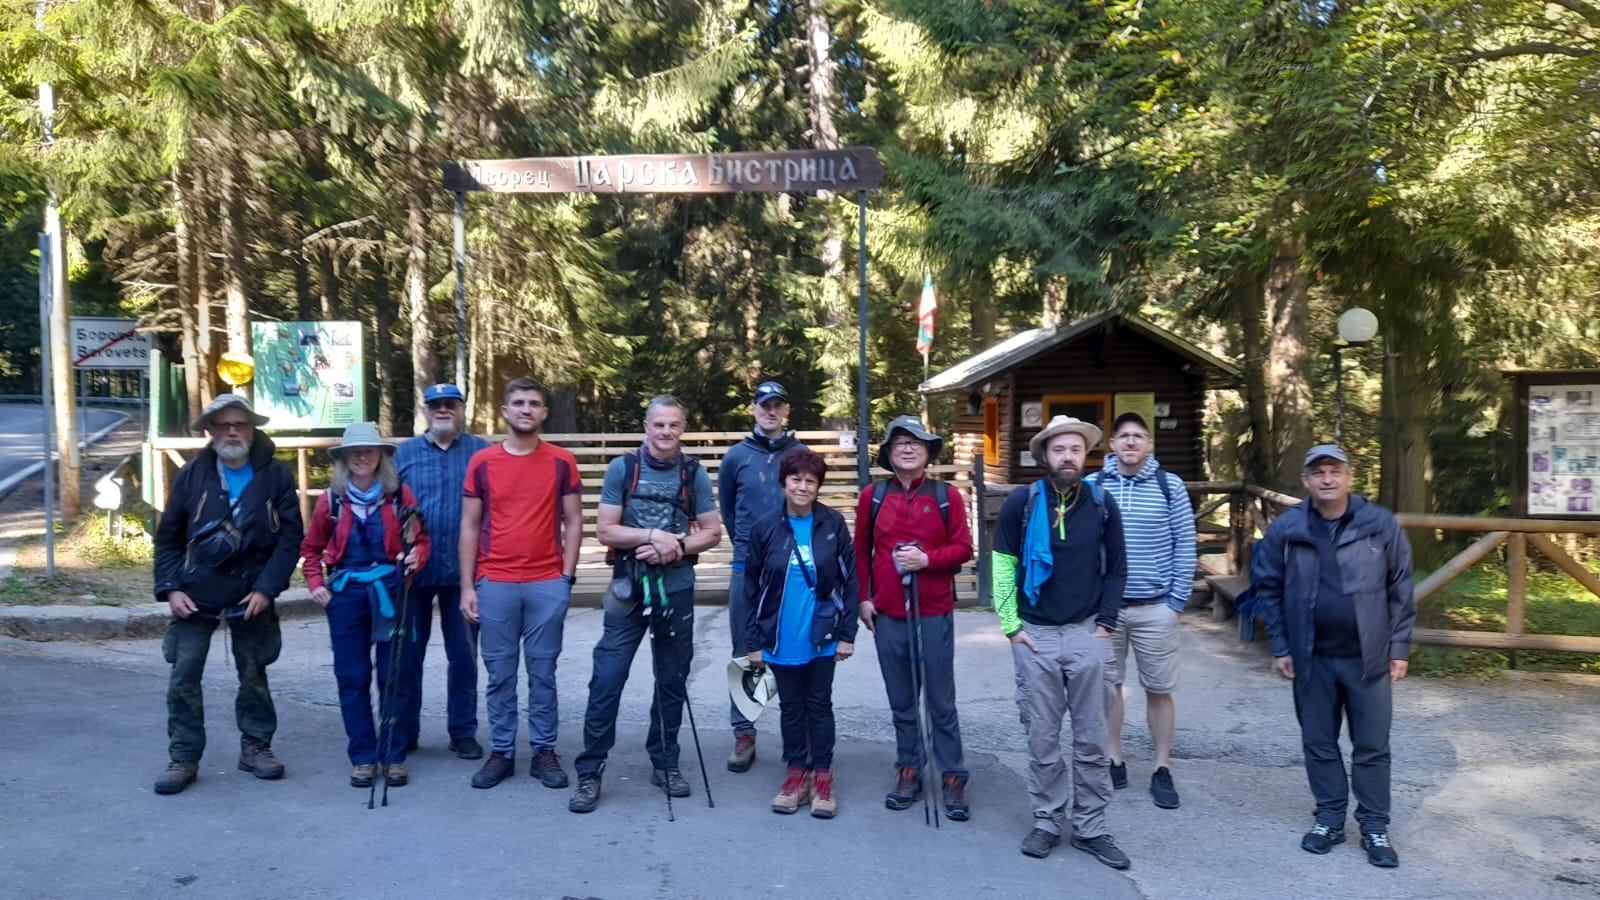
(799, 603)
(237, 479)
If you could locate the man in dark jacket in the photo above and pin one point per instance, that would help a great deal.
(911, 540)
(1333, 577)
(228, 540)
(748, 488)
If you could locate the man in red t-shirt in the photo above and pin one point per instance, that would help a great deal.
(521, 528)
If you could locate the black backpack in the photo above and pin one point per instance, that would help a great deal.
(1035, 489)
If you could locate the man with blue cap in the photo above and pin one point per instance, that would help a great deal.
(434, 465)
(748, 488)
(1333, 577)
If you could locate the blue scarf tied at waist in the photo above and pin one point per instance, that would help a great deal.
(385, 623)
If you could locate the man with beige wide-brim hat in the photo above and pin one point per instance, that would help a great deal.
(224, 549)
(1091, 433)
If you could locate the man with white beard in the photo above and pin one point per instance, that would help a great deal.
(228, 540)
(434, 465)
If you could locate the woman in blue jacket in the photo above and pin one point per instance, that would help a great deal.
(801, 597)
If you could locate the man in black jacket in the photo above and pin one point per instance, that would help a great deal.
(226, 545)
(1333, 577)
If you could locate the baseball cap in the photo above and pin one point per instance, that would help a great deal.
(1325, 451)
(443, 392)
(767, 390)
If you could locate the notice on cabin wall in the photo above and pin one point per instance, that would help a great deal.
(1564, 449)
(1141, 403)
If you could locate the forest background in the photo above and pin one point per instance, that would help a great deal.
(1239, 171)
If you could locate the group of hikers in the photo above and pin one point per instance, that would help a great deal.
(1089, 568)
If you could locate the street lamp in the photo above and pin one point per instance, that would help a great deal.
(1357, 328)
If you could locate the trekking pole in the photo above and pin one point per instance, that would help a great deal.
(655, 680)
(704, 776)
(388, 719)
(919, 665)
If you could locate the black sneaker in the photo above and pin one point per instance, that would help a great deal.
(1166, 796)
(1104, 849)
(907, 788)
(672, 780)
(1119, 775)
(1321, 838)
(1379, 851)
(587, 796)
(1039, 843)
(497, 768)
(467, 748)
(546, 767)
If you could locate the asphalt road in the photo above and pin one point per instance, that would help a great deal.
(22, 434)
(1494, 788)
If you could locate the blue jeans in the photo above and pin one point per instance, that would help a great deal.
(350, 633)
(671, 651)
(460, 648)
(530, 617)
(738, 613)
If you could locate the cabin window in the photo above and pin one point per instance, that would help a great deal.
(991, 431)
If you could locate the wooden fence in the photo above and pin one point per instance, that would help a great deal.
(593, 453)
(1260, 505)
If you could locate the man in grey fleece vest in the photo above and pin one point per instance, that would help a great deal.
(748, 488)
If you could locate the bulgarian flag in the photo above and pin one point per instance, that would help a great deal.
(925, 308)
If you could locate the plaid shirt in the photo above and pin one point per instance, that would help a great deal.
(435, 475)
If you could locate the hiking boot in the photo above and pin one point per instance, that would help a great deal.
(1104, 849)
(955, 798)
(258, 759)
(361, 775)
(1321, 838)
(672, 780)
(795, 791)
(467, 748)
(907, 788)
(546, 767)
(823, 804)
(179, 774)
(1119, 775)
(395, 774)
(497, 768)
(587, 796)
(1166, 796)
(1379, 851)
(744, 752)
(1039, 843)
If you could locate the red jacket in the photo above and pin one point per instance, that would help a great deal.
(915, 517)
(325, 542)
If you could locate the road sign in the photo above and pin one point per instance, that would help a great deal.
(109, 344)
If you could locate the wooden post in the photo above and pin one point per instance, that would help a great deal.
(980, 502)
(302, 476)
(1516, 581)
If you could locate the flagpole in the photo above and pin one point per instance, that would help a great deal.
(924, 381)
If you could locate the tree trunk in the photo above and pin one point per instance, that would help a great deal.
(981, 309)
(205, 328)
(328, 283)
(304, 301)
(188, 300)
(424, 367)
(235, 264)
(383, 344)
(820, 99)
(1289, 360)
(1259, 460)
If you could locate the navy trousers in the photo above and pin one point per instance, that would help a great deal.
(1330, 694)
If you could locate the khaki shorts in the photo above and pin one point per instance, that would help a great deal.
(1151, 631)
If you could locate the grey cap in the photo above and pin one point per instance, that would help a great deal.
(360, 434)
(1325, 451)
(222, 402)
(913, 426)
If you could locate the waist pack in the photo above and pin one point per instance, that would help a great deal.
(216, 543)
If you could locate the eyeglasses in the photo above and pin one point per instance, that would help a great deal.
(444, 404)
(1131, 438)
(225, 427)
(901, 445)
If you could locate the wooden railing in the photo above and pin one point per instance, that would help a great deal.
(1517, 534)
(594, 453)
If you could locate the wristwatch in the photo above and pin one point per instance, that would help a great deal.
(682, 547)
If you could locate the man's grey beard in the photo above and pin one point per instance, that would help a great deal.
(444, 430)
(232, 452)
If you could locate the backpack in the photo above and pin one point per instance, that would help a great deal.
(688, 468)
(1161, 479)
(1034, 490)
(401, 511)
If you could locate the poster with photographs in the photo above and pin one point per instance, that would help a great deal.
(1563, 449)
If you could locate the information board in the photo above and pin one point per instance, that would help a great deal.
(1563, 449)
(309, 374)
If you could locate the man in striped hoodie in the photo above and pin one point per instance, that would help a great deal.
(1159, 531)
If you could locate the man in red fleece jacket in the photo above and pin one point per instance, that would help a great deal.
(917, 532)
